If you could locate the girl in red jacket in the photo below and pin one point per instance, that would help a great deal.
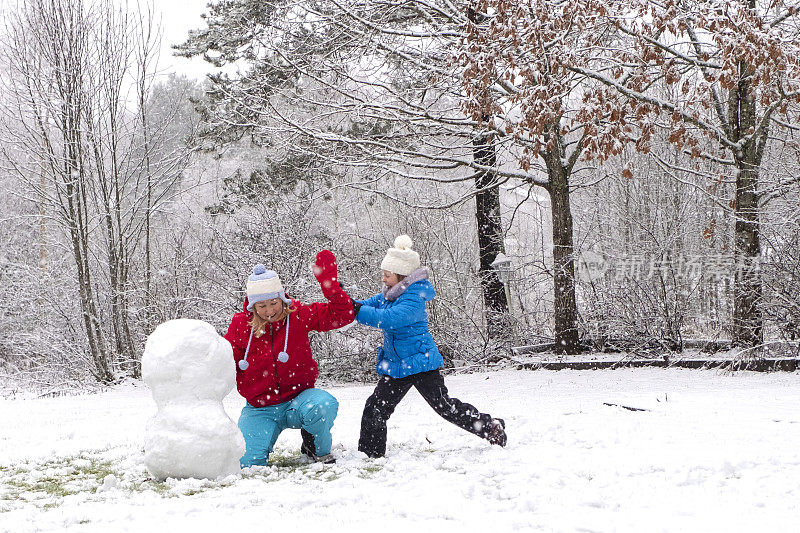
(275, 368)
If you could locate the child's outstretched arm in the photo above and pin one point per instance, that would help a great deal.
(338, 311)
(372, 301)
(406, 311)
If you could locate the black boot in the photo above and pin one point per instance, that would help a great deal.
(496, 432)
(309, 449)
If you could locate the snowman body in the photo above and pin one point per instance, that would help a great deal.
(190, 369)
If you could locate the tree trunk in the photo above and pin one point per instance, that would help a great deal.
(747, 317)
(149, 316)
(564, 306)
(70, 79)
(490, 237)
(43, 200)
(74, 181)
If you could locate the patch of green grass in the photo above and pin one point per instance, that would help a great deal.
(207, 485)
(283, 465)
(291, 460)
(324, 475)
(369, 471)
(46, 484)
(159, 487)
(40, 483)
(296, 462)
(51, 486)
(373, 468)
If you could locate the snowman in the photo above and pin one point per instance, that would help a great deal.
(190, 369)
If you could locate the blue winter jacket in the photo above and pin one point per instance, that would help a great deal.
(408, 347)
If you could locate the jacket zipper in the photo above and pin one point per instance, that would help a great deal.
(274, 360)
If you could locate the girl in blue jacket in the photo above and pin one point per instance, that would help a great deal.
(409, 357)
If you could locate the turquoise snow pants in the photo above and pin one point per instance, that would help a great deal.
(313, 410)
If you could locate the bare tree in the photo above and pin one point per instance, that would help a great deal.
(736, 66)
(72, 67)
(49, 56)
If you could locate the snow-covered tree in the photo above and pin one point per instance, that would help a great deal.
(369, 87)
(735, 68)
(518, 84)
(80, 74)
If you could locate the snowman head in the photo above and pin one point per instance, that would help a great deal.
(186, 360)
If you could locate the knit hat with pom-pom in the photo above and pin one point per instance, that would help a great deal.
(401, 259)
(263, 285)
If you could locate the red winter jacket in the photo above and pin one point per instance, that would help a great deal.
(267, 381)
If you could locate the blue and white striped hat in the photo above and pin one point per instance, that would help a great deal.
(263, 285)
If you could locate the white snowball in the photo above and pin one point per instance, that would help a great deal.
(110, 482)
(187, 359)
(192, 440)
(190, 369)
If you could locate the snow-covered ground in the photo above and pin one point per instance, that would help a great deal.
(713, 451)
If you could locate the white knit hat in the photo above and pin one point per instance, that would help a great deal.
(401, 259)
(263, 285)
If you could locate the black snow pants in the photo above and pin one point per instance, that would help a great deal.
(388, 393)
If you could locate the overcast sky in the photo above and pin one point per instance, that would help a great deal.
(177, 18)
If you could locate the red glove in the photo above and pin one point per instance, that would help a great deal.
(325, 271)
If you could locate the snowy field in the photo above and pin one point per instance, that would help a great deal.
(713, 451)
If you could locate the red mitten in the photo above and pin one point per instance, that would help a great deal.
(325, 271)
